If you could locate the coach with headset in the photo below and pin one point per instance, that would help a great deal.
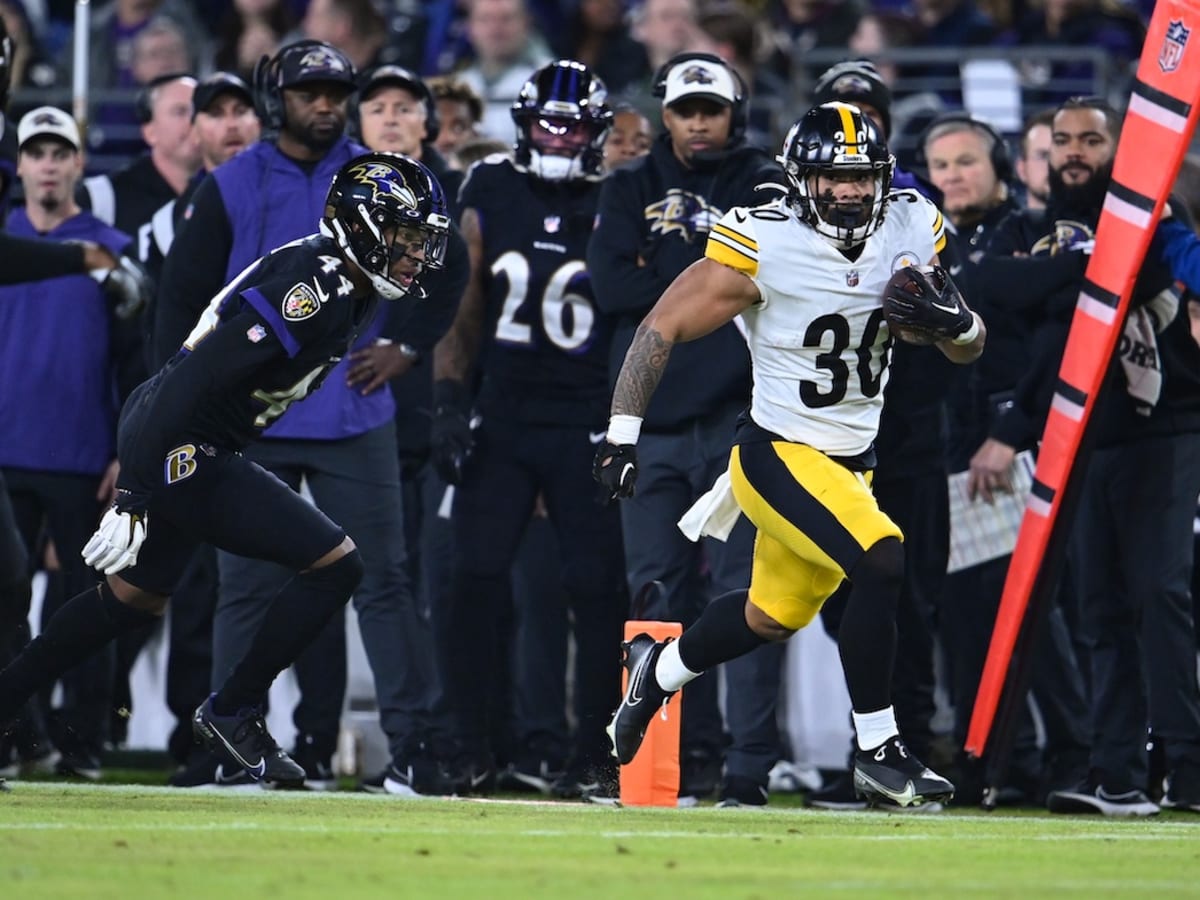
(654, 219)
(968, 163)
(341, 440)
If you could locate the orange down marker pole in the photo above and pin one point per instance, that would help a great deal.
(1162, 115)
(652, 776)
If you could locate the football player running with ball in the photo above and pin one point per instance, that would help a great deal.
(806, 275)
(266, 340)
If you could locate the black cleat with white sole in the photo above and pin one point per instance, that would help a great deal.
(244, 739)
(643, 697)
(890, 774)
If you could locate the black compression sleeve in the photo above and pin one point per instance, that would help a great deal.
(29, 260)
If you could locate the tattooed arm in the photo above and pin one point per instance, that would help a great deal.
(704, 297)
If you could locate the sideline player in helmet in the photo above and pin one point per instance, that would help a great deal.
(805, 273)
(529, 318)
(265, 341)
(563, 118)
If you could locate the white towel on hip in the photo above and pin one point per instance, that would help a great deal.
(714, 514)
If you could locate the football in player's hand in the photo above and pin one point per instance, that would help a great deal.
(902, 299)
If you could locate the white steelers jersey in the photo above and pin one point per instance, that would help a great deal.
(817, 338)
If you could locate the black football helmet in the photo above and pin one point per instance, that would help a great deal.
(557, 97)
(378, 193)
(829, 139)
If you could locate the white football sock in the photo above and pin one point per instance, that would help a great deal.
(670, 672)
(874, 728)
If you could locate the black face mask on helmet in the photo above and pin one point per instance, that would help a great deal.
(829, 140)
(374, 196)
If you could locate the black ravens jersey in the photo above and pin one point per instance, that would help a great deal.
(267, 340)
(8, 163)
(545, 344)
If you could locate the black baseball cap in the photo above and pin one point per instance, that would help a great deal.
(307, 61)
(397, 76)
(212, 87)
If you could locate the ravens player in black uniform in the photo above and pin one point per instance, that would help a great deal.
(266, 340)
(529, 320)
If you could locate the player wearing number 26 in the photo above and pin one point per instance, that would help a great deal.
(805, 274)
(529, 335)
(266, 341)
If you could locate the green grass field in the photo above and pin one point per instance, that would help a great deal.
(66, 841)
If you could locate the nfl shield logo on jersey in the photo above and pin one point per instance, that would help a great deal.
(1173, 45)
(256, 333)
(552, 224)
(852, 278)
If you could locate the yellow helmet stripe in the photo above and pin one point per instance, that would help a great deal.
(847, 114)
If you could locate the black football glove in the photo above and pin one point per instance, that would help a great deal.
(615, 470)
(128, 287)
(927, 300)
(450, 438)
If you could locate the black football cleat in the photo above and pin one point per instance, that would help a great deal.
(244, 739)
(890, 774)
(643, 697)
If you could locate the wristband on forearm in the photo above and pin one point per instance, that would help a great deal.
(970, 334)
(623, 429)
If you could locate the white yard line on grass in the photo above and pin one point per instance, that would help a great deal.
(1098, 827)
(322, 828)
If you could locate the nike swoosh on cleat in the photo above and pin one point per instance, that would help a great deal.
(635, 686)
(221, 778)
(255, 770)
(478, 779)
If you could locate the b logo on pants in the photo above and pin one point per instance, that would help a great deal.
(181, 463)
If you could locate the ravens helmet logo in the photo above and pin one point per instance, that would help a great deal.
(697, 75)
(384, 179)
(322, 58)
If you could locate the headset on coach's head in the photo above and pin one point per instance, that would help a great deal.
(1001, 159)
(740, 115)
(296, 63)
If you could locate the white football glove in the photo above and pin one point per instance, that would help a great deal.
(116, 542)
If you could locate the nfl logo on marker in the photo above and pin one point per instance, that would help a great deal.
(852, 278)
(551, 223)
(1173, 45)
